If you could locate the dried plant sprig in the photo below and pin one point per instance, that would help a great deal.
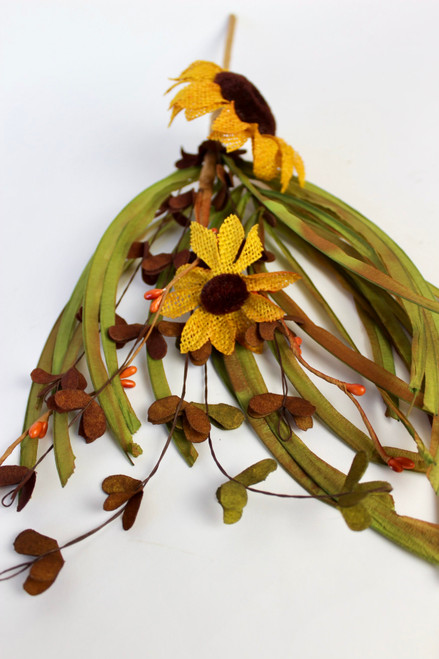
(228, 219)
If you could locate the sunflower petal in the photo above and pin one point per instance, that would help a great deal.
(228, 129)
(259, 309)
(270, 281)
(204, 244)
(196, 330)
(198, 70)
(230, 237)
(251, 252)
(196, 277)
(197, 99)
(286, 153)
(265, 154)
(223, 334)
(180, 302)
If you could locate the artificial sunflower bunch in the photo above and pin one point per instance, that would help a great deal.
(219, 296)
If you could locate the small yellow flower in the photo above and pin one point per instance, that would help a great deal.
(224, 301)
(241, 114)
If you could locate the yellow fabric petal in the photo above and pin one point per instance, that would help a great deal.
(180, 302)
(196, 99)
(265, 152)
(251, 252)
(204, 244)
(228, 129)
(196, 330)
(286, 153)
(198, 70)
(223, 333)
(230, 237)
(228, 121)
(259, 309)
(232, 142)
(270, 281)
(196, 277)
(240, 321)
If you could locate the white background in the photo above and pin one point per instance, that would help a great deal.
(354, 88)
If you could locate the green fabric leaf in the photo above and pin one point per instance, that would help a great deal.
(357, 517)
(233, 498)
(233, 495)
(225, 416)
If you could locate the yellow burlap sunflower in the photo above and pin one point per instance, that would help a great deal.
(241, 114)
(224, 301)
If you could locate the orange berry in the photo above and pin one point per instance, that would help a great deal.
(35, 429)
(128, 384)
(356, 389)
(297, 340)
(127, 372)
(153, 293)
(394, 464)
(400, 463)
(155, 304)
(43, 430)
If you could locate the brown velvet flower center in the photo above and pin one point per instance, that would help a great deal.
(224, 294)
(250, 105)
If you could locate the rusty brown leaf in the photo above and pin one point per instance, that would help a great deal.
(122, 333)
(131, 509)
(298, 406)
(116, 500)
(191, 434)
(199, 357)
(26, 491)
(93, 422)
(136, 251)
(120, 483)
(170, 328)
(264, 404)
(40, 376)
(156, 345)
(181, 201)
(44, 570)
(197, 419)
(12, 474)
(71, 399)
(163, 410)
(266, 330)
(32, 543)
(73, 379)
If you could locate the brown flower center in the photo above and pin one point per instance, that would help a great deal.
(224, 294)
(250, 105)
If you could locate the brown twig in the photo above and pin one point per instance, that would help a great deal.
(229, 41)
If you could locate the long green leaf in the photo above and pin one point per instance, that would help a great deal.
(117, 410)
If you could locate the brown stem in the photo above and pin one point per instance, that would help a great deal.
(205, 190)
(229, 41)
(208, 169)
